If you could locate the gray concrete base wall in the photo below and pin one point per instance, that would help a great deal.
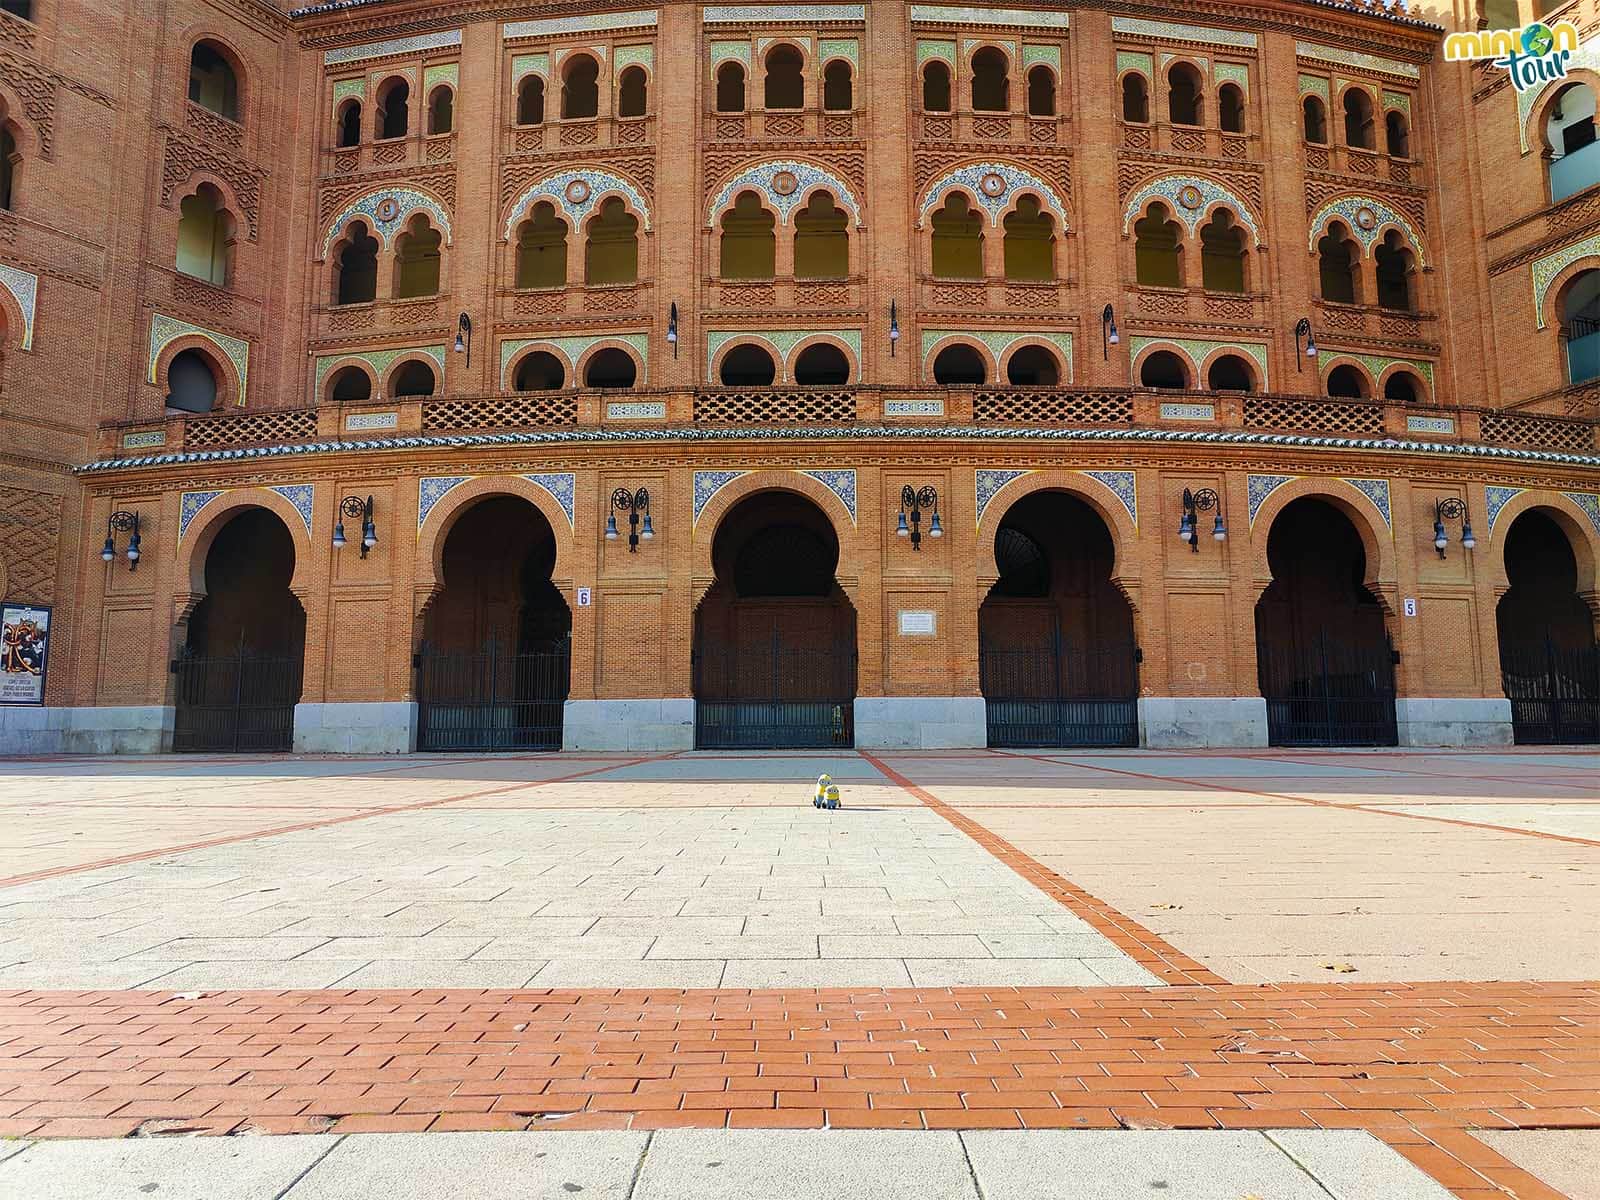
(122, 729)
(1454, 721)
(628, 725)
(921, 723)
(1202, 722)
(371, 727)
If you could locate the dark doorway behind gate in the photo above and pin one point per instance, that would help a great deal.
(495, 664)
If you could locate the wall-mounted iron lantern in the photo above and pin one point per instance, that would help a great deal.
(1195, 503)
(913, 503)
(122, 522)
(353, 507)
(634, 504)
(1452, 509)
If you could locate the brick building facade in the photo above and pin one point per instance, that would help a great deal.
(774, 265)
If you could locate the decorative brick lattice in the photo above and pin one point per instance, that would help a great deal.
(632, 133)
(1136, 137)
(937, 129)
(30, 534)
(784, 125)
(344, 164)
(439, 150)
(1538, 433)
(527, 304)
(249, 429)
(408, 313)
(1407, 327)
(822, 295)
(960, 295)
(212, 127)
(749, 295)
(1164, 304)
(1363, 164)
(1349, 319)
(352, 321)
(1188, 141)
(610, 299)
(1041, 131)
(992, 129)
(1049, 406)
(1031, 296)
(1399, 172)
(192, 292)
(840, 125)
(389, 154)
(1313, 416)
(776, 406)
(1235, 147)
(529, 140)
(1316, 159)
(503, 412)
(579, 135)
(730, 128)
(1230, 308)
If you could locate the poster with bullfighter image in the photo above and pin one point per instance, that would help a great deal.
(24, 653)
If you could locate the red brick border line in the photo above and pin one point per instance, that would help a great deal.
(1163, 960)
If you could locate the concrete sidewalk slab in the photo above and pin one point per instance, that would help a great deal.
(161, 1168)
(1566, 1159)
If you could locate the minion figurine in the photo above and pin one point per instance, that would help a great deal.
(824, 782)
(831, 799)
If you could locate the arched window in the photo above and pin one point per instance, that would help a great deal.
(9, 158)
(441, 110)
(413, 379)
(1347, 383)
(356, 268)
(1030, 242)
(1315, 120)
(838, 87)
(1135, 98)
(610, 368)
(1230, 108)
(416, 260)
(349, 122)
(530, 101)
(1163, 369)
(349, 384)
(821, 365)
(394, 109)
(1394, 275)
(1033, 366)
(18, 8)
(1402, 387)
(1570, 134)
(749, 240)
(1580, 326)
(205, 236)
(936, 87)
(611, 253)
(821, 243)
(540, 371)
(747, 365)
(1222, 254)
(542, 249)
(1041, 92)
(1339, 265)
(212, 82)
(1358, 127)
(730, 88)
(1397, 134)
(580, 89)
(786, 86)
(1229, 373)
(1158, 249)
(191, 383)
(633, 93)
(957, 240)
(991, 82)
(1185, 95)
(959, 366)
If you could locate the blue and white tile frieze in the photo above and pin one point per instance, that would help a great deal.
(563, 486)
(1376, 490)
(707, 484)
(786, 185)
(432, 490)
(591, 23)
(399, 205)
(989, 484)
(841, 482)
(1189, 198)
(993, 186)
(1368, 219)
(788, 14)
(24, 289)
(1259, 487)
(1495, 498)
(301, 495)
(1123, 486)
(577, 194)
(1590, 504)
(405, 45)
(189, 507)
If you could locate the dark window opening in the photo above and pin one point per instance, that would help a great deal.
(959, 366)
(580, 90)
(191, 383)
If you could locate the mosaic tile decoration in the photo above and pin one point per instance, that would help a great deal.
(941, 14)
(572, 349)
(1209, 193)
(405, 45)
(165, 330)
(529, 64)
(598, 51)
(1376, 490)
(1495, 498)
(998, 342)
(189, 506)
(971, 179)
(1197, 350)
(1123, 486)
(808, 178)
(377, 361)
(969, 45)
(848, 49)
(383, 74)
(1188, 412)
(432, 490)
(1232, 73)
(989, 484)
(1589, 503)
(842, 483)
(1259, 487)
(24, 289)
(1397, 100)
(1346, 208)
(1544, 270)
(598, 186)
(722, 52)
(408, 202)
(635, 56)
(1170, 31)
(1167, 57)
(763, 42)
(782, 342)
(301, 495)
(1444, 425)
(563, 486)
(1352, 58)
(636, 410)
(707, 484)
(1587, 55)
(928, 50)
(788, 14)
(346, 88)
(1129, 60)
(1378, 365)
(442, 73)
(1316, 85)
(1050, 56)
(591, 23)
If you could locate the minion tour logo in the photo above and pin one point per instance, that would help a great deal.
(1532, 55)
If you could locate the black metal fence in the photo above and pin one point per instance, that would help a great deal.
(491, 699)
(1327, 689)
(1051, 693)
(1554, 692)
(774, 696)
(235, 703)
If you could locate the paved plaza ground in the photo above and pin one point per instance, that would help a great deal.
(989, 971)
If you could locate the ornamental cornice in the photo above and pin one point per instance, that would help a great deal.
(1157, 160)
(1356, 183)
(1578, 233)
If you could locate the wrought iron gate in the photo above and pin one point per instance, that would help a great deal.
(1051, 693)
(1554, 692)
(1327, 690)
(235, 703)
(492, 700)
(774, 696)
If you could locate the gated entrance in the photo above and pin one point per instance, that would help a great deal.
(1053, 693)
(1554, 691)
(235, 703)
(492, 699)
(776, 696)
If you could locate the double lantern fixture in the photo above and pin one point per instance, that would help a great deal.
(353, 507)
(636, 504)
(1452, 509)
(1195, 503)
(122, 522)
(913, 503)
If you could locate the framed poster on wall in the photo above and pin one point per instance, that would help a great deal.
(24, 652)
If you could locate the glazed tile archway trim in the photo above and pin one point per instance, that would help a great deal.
(593, 23)
(572, 349)
(782, 342)
(1544, 270)
(978, 181)
(1197, 350)
(1384, 216)
(1376, 490)
(377, 361)
(1190, 207)
(841, 481)
(941, 14)
(807, 178)
(1172, 31)
(1121, 484)
(989, 483)
(407, 201)
(165, 330)
(431, 490)
(405, 45)
(563, 488)
(302, 496)
(929, 49)
(346, 88)
(635, 56)
(1587, 55)
(1495, 498)
(596, 186)
(1589, 503)
(524, 65)
(1133, 60)
(707, 484)
(1315, 85)
(1352, 58)
(1259, 487)
(442, 73)
(1376, 365)
(845, 48)
(999, 343)
(24, 289)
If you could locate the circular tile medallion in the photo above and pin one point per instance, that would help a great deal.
(1189, 196)
(577, 191)
(993, 185)
(785, 183)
